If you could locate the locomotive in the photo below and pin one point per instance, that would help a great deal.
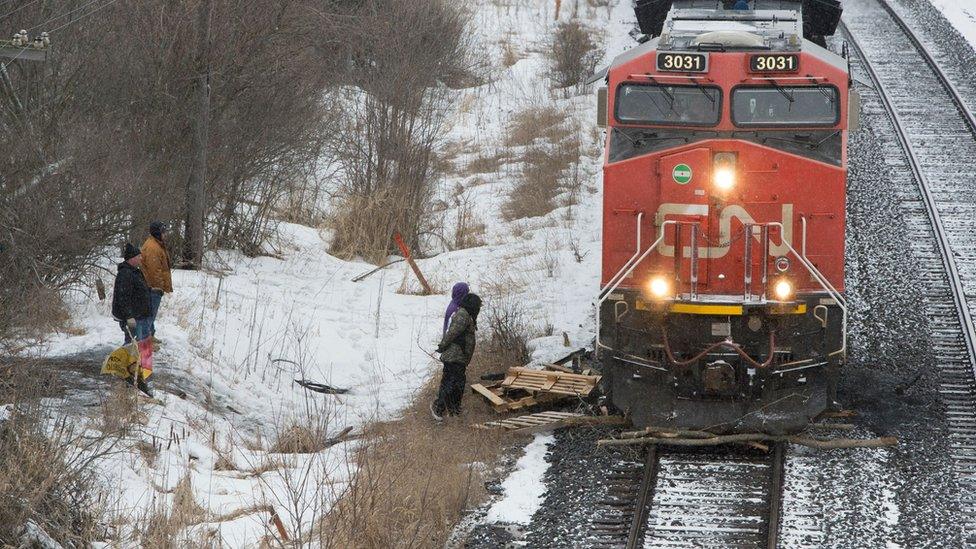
(722, 301)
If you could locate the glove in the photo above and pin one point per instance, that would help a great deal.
(131, 323)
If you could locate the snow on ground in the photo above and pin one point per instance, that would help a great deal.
(523, 489)
(962, 15)
(237, 335)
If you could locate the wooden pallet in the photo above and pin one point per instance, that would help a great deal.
(548, 421)
(530, 420)
(548, 381)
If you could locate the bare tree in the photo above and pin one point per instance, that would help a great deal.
(403, 55)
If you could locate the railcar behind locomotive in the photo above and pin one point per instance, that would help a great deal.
(722, 296)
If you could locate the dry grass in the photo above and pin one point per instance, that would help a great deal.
(484, 163)
(543, 178)
(299, 439)
(416, 479)
(546, 123)
(47, 473)
(166, 524)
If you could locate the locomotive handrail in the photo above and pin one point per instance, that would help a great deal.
(620, 276)
(640, 216)
(825, 284)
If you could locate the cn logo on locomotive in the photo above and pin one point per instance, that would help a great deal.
(726, 215)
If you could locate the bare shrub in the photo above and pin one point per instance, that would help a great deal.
(484, 163)
(48, 481)
(507, 332)
(299, 439)
(396, 110)
(573, 56)
(469, 231)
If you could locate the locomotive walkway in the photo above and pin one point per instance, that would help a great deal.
(931, 147)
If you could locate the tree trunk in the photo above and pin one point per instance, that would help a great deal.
(196, 186)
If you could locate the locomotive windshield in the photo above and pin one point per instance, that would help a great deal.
(668, 105)
(785, 106)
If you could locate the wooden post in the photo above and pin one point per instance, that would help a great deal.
(413, 264)
(276, 520)
(196, 195)
(558, 4)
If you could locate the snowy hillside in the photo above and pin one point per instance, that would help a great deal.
(238, 335)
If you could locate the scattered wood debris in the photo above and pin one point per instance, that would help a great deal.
(503, 400)
(678, 437)
(321, 387)
(523, 387)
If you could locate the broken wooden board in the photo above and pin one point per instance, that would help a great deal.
(547, 381)
(502, 401)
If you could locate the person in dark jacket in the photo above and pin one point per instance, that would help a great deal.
(741, 5)
(456, 349)
(131, 299)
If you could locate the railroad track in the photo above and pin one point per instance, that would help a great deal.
(679, 498)
(932, 155)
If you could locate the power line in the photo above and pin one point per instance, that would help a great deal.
(79, 8)
(8, 14)
(69, 23)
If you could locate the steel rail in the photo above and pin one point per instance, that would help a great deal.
(645, 495)
(777, 476)
(933, 64)
(938, 228)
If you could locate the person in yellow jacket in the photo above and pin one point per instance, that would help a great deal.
(156, 268)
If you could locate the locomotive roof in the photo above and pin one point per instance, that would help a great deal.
(698, 29)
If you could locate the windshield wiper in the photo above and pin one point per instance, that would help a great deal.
(802, 139)
(826, 94)
(702, 89)
(642, 136)
(782, 90)
(665, 91)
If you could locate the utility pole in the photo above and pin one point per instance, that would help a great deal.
(196, 194)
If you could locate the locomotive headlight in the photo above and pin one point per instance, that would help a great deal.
(723, 171)
(660, 287)
(783, 289)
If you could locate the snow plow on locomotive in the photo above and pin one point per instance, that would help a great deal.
(722, 294)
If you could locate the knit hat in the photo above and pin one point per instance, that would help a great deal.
(157, 228)
(130, 251)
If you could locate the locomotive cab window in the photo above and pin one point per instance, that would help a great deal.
(786, 106)
(668, 105)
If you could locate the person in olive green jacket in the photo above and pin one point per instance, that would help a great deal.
(456, 349)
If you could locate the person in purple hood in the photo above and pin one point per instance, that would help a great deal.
(456, 348)
(457, 294)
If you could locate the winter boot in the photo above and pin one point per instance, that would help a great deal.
(438, 416)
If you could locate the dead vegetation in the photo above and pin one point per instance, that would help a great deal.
(48, 482)
(415, 480)
(573, 56)
(546, 173)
